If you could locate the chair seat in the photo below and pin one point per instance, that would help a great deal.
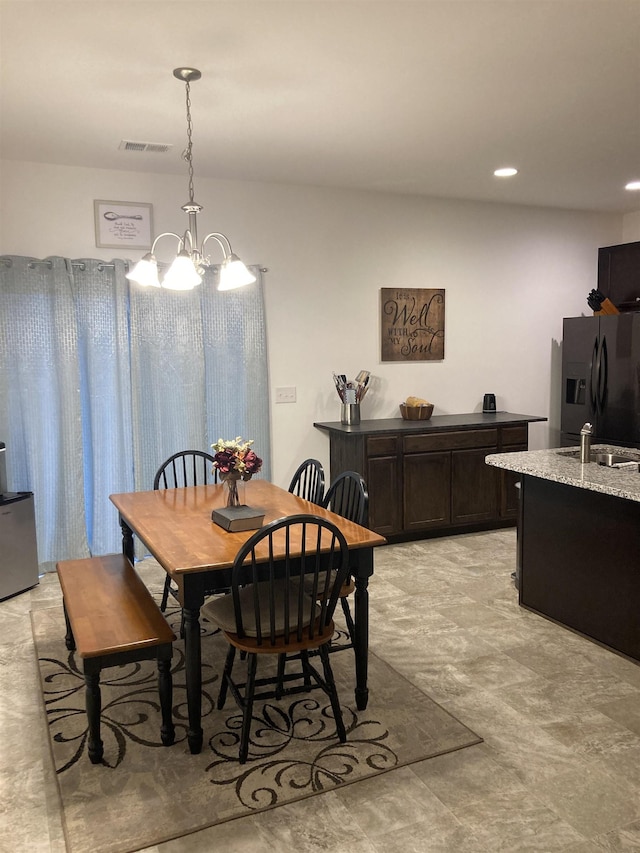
(221, 610)
(280, 645)
(347, 588)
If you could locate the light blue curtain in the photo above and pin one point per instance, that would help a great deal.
(101, 381)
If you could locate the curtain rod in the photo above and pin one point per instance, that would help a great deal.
(101, 266)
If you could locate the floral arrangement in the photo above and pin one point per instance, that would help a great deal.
(235, 460)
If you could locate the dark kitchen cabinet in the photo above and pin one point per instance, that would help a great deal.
(446, 480)
(474, 491)
(619, 274)
(382, 478)
(426, 492)
(429, 477)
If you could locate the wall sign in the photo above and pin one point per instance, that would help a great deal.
(123, 223)
(411, 324)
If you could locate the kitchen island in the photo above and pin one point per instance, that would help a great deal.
(579, 542)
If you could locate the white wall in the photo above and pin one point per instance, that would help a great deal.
(631, 228)
(510, 274)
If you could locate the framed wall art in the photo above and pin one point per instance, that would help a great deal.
(123, 224)
(411, 324)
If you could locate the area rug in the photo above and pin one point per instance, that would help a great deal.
(144, 793)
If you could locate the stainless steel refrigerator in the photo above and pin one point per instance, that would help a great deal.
(601, 379)
(18, 548)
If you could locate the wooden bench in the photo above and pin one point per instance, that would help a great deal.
(112, 620)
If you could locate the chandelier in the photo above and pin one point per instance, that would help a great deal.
(187, 269)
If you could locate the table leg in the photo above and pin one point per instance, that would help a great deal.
(362, 570)
(192, 655)
(193, 586)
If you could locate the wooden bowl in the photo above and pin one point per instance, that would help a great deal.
(416, 413)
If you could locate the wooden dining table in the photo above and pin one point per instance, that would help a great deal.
(176, 528)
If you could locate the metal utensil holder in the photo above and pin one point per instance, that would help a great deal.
(350, 414)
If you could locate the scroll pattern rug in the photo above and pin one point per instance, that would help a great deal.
(145, 793)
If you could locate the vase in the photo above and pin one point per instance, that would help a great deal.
(233, 496)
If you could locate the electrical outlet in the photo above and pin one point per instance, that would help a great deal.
(286, 395)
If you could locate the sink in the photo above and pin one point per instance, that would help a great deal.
(575, 454)
(612, 459)
(603, 457)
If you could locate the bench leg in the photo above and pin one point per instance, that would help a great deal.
(94, 703)
(69, 640)
(165, 689)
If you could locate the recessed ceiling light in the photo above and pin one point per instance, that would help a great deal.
(507, 172)
(633, 185)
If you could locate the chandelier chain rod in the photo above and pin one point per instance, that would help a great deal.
(188, 154)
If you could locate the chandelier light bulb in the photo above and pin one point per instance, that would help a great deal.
(182, 274)
(145, 272)
(234, 274)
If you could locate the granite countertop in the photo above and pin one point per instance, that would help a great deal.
(562, 465)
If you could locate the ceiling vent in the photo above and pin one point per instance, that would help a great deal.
(153, 147)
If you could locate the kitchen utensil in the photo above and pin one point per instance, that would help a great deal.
(362, 387)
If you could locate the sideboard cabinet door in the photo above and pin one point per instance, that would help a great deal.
(427, 490)
(474, 487)
(383, 481)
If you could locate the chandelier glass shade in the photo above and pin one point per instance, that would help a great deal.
(187, 269)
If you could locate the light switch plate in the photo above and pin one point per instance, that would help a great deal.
(286, 395)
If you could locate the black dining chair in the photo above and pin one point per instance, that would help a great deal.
(347, 496)
(308, 481)
(186, 468)
(183, 469)
(269, 613)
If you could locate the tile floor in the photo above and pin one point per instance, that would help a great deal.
(559, 769)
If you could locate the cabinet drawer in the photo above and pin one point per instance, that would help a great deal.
(382, 445)
(513, 435)
(451, 440)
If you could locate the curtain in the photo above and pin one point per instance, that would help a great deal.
(100, 381)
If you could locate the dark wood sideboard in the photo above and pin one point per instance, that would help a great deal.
(429, 478)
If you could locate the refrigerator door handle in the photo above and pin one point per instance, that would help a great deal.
(593, 385)
(603, 370)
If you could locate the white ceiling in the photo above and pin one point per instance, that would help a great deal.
(422, 97)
